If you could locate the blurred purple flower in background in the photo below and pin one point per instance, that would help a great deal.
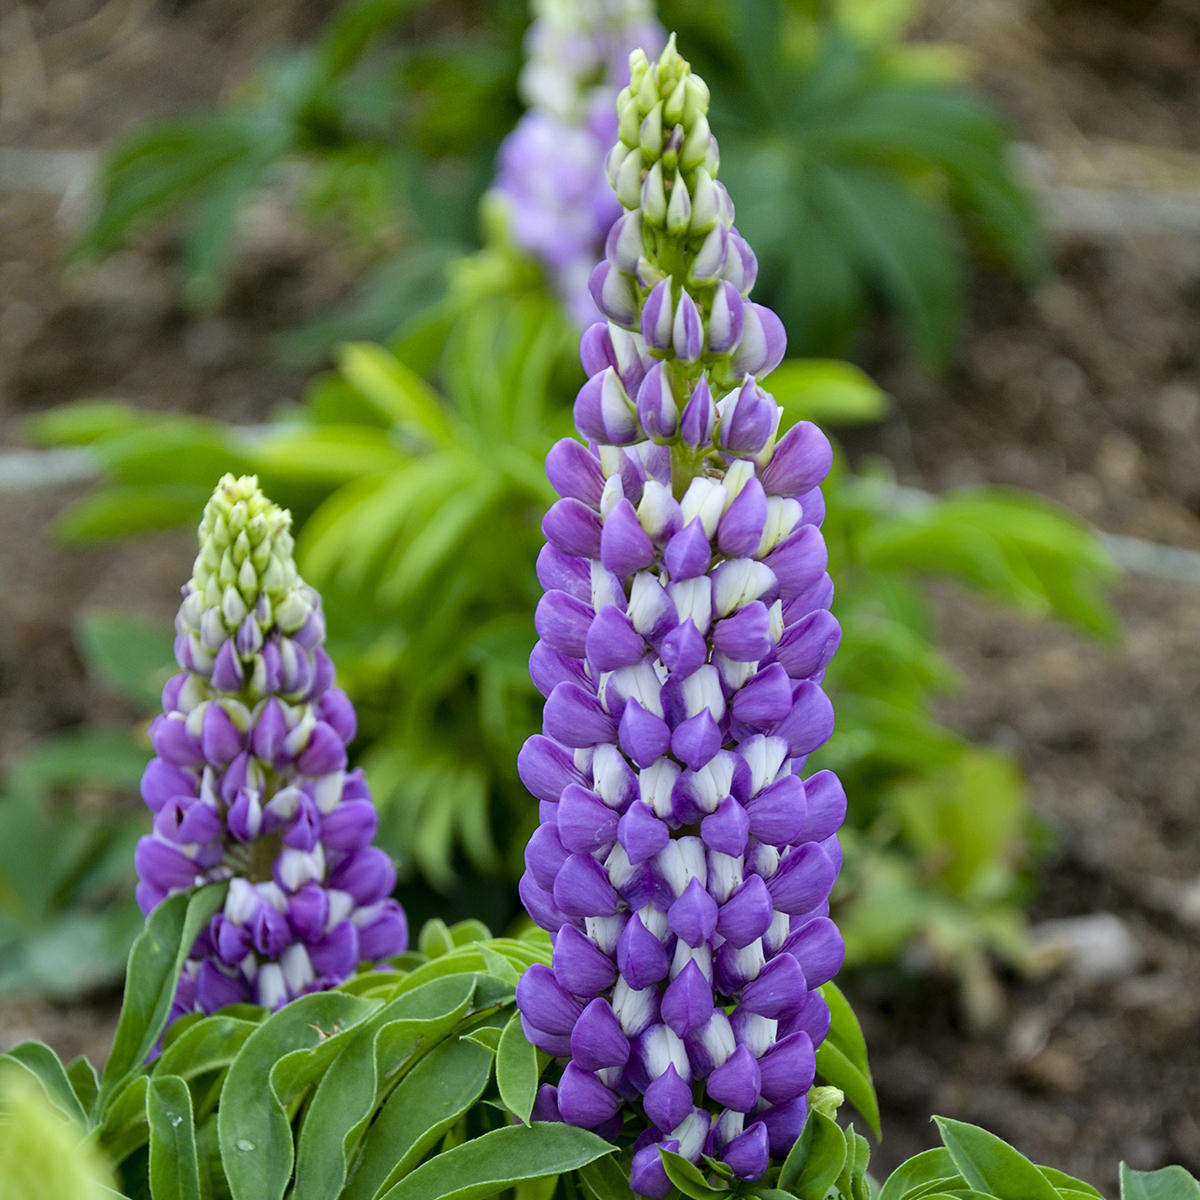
(551, 180)
(249, 782)
(682, 865)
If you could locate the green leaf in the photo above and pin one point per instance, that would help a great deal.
(842, 1057)
(1167, 1183)
(155, 961)
(174, 1168)
(285, 1053)
(82, 422)
(486, 1165)
(688, 1177)
(398, 392)
(329, 455)
(989, 1164)
(517, 1070)
(1068, 1183)
(129, 653)
(930, 1166)
(209, 1044)
(430, 1098)
(84, 1081)
(826, 391)
(816, 1160)
(606, 1181)
(119, 511)
(44, 1065)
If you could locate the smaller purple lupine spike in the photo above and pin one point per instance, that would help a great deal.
(236, 765)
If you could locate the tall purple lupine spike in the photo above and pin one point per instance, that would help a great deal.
(551, 181)
(683, 866)
(249, 782)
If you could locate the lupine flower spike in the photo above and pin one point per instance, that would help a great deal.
(682, 864)
(551, 178)
(249, 782)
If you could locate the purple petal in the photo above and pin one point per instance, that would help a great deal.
(548, 668)
(807, 645)
(585, 822)
(826, 800)
(763, 342)
(641, 957)
(173, 744)
(545, 768)
(745, 635)
(646, 1174)
(367, 875)
(612, 642)
(162, 782)
(748, 418)
(741, 528)
(696, 741)
(597, 1040)
(699, 417)
(324, 753)
(307, 912)
(614, 295)
(335, 709)
(657, 316)
(687, 1004)
(644, 737)
(693, 916)
(747, 914)
(562, 622)
(580, 965)
(818, 947)
(582, 888)
(641, 834)
(349, 826)
(228, 674)
(384, 933)
(725, 830)
(625, 547)
(335, 956)
(656, 404)
(689, 552)
(575, 718)
(736, 1082)
(215, 989)
(810, 721)
(545, 1003)
(545, 855)
(684, 650)
(800, 561)
(583, 1100)
(566, 572)
(788, 1068)
(778, 991)
(667, 1100)
(162, 866)
(749, 1153)
(803, 880)
(572, 527)
(785, 1123)
(687, 330)
(801, 460)
(764, 700)
(778, 812)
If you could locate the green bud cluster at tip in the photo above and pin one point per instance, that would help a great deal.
(664, 141)
(246, 552)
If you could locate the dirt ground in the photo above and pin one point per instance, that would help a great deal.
(1087, 391)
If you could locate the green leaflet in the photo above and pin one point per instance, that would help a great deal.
(208, 1044)
(1168, 1183)
(605, 1179)
(842, 1057)
(174, 1168)
(1068, 1185)
(688, 1178)
(485, 1165)
(155, 961)
(44, 1065)
(517, 1070)
(428, 1100)
(816, 1160)
(990, 1165)
(288, 1051)
(930, 1166)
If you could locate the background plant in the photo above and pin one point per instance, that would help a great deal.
(867, 167)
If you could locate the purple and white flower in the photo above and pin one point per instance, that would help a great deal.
(250, 783)
(683, 864)
(550, 181)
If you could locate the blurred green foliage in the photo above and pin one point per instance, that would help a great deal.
(862, 165)
(68, 825)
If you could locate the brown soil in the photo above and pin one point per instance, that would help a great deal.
(1087, 392)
